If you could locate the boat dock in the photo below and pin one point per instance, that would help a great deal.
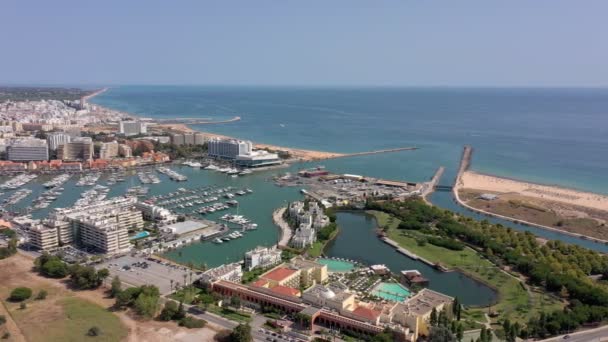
(409, 254)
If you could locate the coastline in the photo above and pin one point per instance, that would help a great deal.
(286, 232)
(459, 184)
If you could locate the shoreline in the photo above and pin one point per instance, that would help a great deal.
(465, 163)
(285, 230)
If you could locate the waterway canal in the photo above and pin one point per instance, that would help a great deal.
(357, 240)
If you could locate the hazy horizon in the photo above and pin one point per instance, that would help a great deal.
(472, 43)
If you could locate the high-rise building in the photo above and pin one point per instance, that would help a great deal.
(199, 138)
(262, 257)
(80, 148)
(177, 139)
(108, 150)
(57, 139)
(29, 149)
(189, 138)
(229, 148)
(43, 237)
(131, 127)
(103, 225)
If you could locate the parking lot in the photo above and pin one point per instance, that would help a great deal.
(138, 271)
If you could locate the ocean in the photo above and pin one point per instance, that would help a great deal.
(552, 136)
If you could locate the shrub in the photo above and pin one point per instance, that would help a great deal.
(94, 331)
(191, 322)
(20, 294)
(168, 311)
(41, 295)
(22, 306)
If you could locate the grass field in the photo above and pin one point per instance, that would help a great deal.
(229, 313)
(66, 319)
(316, 249)
(515, 301)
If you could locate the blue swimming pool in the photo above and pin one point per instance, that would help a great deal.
(140, 235)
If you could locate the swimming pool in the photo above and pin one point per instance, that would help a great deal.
(140, 235)
(337, 265)
(391, 291)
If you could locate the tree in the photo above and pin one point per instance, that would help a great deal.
(146, 304)
(456, 308)
(116, 287)
(20, 294)
(235, 301)
(433, 318)
(242, 333)
(94, 331)
(54, 268)
(41, 295)
(459, 331)
(168, 312)
(441, 334)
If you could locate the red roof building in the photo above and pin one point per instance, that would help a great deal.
(285, 290)
(368, 314)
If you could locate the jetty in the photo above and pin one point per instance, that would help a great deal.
(430, 186)
(389, 150)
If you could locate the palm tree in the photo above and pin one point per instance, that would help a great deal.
(171, 285)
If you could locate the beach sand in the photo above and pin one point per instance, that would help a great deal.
(299, 154)
(473, 180)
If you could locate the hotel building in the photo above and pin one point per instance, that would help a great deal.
(262, 257)
(80, 148)
(29, 149)
(129, 128)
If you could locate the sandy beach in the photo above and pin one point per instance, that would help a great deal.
(473, 180)
(299, 154)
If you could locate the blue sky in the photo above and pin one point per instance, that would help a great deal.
(313, 42)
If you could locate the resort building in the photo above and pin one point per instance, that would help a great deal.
(129, 128)
(28, 149)
(324, 296)
(103, 225)
(188, 138)
(43, 237)
(262, 257)
(80, 148)
(230, 272)
(108, 150)
(241, 152)
(228, 148)
(413, 277)
(300, 273)
(415, 312)
(155, 213)
(177, 139)
(57, 139)
(309, 218)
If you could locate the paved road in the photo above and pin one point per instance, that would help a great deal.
(594, 335)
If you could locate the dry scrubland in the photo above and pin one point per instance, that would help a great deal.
(67, 315)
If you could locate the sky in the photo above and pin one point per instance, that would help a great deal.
(312, 42)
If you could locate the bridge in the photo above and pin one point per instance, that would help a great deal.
(443, 188)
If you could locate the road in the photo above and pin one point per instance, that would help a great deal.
(594, 335)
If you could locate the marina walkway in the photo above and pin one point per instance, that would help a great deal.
(277, 217)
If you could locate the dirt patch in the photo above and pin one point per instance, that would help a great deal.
(567, 217)
(17, 271)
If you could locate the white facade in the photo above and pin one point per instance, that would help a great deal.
(57, 139)
(229, 148)
(28, 149)
(129, 128)
(262, 257)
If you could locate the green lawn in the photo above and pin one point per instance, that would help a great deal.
(514, 301)
(316, 249)
(72, 319)
(229, 313)
(186, 295)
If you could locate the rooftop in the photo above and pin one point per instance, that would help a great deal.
(366, 313)
(278, 274)
(285, 290)
(185, 227)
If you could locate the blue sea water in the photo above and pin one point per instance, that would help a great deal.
(554, 136)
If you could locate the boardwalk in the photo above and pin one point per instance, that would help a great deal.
(277, 217)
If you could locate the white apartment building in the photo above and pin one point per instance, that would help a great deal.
(262, 257)
(28, 149)
(129, 128)
(155, 213)
(57, 139)
(80, 148)
(228, 148)
(230, 272)
(43, 237)
(108, 150)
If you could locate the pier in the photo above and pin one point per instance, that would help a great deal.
(389, 150)
(194, 121)
(430, 186)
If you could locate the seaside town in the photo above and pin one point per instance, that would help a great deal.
(138, 207)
